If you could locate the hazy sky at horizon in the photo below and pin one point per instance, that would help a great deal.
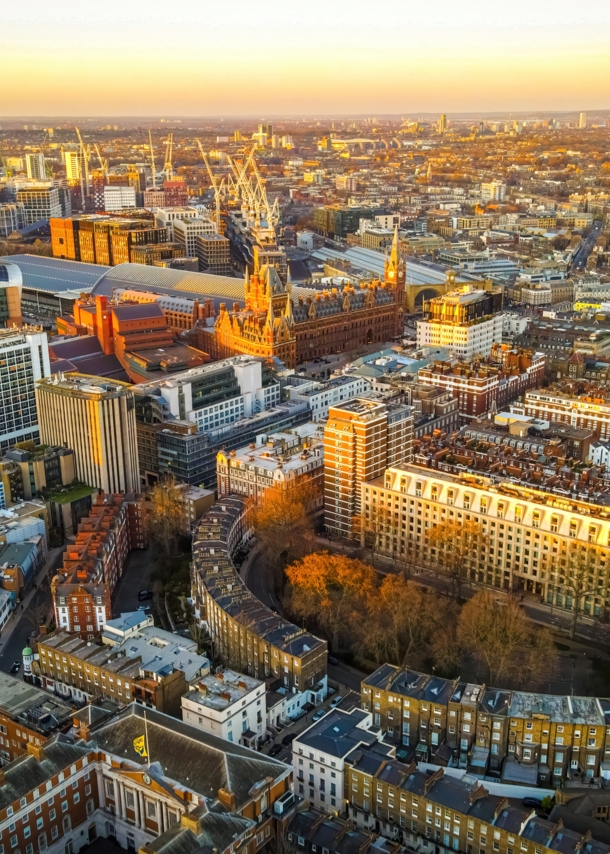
(130, 57)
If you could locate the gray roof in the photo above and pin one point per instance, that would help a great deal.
(337, 733)
(202, 762)
(55, 275)
(27, 773)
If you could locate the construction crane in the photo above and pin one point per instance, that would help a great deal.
(216, 186)
(167, 166)
(152, 160)
(85, 155)
(248, 187)
(103, 161)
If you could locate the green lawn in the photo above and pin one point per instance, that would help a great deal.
(72, 494)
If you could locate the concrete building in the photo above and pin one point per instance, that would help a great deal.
(187, 230)
(292, 461)
(165, 218)
(466, 320)
(361, 439)
(229, 705)
(12, 218)
(36, 167)
(321, 396)
(96, 418)
(119, 198)
(319, 754)
(532, 539)
(25, 361)
(494, 191)
(10, 295)
(214, 253)
(40, 201)
(43, 468)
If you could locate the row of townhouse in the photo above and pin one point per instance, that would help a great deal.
(192, 790)
(344, 766)
(529, 539)
(436, 812)
(517, 736)
(248, 636)
(94, 562)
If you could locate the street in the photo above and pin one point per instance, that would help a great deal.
(585, 248)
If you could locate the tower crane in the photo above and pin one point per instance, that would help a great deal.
(216, 186)
(103, 161)
(167, 166)
(152, 160)
(85, 153)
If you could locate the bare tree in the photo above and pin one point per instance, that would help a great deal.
(166, 518)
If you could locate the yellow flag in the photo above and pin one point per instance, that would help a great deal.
(139, 745)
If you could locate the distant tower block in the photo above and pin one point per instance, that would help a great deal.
(582, 120)
(442, 123)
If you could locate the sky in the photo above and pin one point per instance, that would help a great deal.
(312, 57)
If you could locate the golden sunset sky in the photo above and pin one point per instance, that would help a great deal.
(314, 57)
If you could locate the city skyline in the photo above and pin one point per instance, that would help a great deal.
(471, 58)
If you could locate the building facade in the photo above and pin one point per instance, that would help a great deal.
(361, 438)
(96, 418)
(296, 330)
(24, 360)
(530, 539)
(466, 320)
(249, 637)
(229, 705)
(587, 411)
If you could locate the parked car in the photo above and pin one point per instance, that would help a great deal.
(15, 667)
(144, 595)
(144, 608)
(288, 739)
(531, 802)
(277, 748)
(319, 714)
(332, 660)
(336, 701)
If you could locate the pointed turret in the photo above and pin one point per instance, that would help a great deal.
(270, 322)
(394, 272)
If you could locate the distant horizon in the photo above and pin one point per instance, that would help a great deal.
(407, 115)
(323, 59)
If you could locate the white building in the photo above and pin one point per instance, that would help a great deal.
(6, 609)
(466, 340)
(12, 218)
(165, 218)
(600, 455)
(36, 168)
(280, 460)
(494, 191)
(321, 396)
(40, 201)
(230, 705)
(318, 756)
(119, 198)
(186, 232)
(24, 359)
(241, 376)
(513, 325)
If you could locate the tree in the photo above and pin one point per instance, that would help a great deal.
(333, 590)
(406, 618)
(166, 517)
(456, 543)
(500, 638)
(573, 574)
(282, 525)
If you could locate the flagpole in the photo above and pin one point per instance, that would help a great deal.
(146, 734)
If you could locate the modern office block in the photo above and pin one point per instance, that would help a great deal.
(96, 418)
(24, 359)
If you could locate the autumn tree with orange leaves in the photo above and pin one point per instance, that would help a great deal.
(333, 590)
(282, 526)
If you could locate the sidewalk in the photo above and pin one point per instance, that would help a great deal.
(15, 619)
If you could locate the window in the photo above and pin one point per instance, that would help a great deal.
(151, 809)
(66, 823)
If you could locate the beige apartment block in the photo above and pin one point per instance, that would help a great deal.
(531, 539)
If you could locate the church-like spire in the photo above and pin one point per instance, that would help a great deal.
(394, 272)
(270, 322)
